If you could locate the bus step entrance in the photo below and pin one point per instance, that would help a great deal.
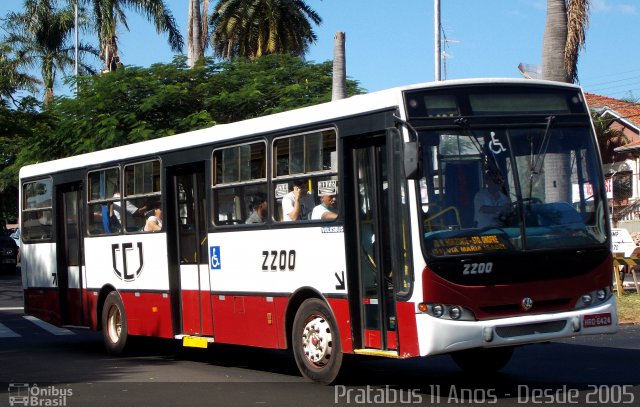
(195, 341)
(378, 352)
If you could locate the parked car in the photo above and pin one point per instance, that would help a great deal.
(16, 236)
(8, 254)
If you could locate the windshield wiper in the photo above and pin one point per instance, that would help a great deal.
(493, 172)
(536, 165)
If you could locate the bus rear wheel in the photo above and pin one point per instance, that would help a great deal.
(483, 360)
(316, 342)
(114, 324)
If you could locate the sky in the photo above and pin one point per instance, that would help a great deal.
(391, 43)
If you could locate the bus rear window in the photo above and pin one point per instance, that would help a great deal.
(37, 210)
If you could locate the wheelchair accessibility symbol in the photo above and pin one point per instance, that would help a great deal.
(214, 257)
(495, 145)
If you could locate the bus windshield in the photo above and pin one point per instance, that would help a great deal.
(510, 187)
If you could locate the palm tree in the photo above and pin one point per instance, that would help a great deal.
(41, 35)
(252, 28)
(197, 33)
(109, 13)
(12, 79)
(564, 36)
(339, 88)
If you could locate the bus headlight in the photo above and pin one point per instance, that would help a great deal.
(446, 311)
(437, 310)
(455, 312)
(592, 298)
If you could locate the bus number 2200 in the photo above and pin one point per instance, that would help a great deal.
(278, 260)
(477, 268)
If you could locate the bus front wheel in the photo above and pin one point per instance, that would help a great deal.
(316, 342)
(114, 324)
(483, 360)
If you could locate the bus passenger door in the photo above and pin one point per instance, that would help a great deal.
(368, 232)
(190, 284)
(70, 264)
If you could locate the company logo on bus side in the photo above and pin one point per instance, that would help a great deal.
(125, 273)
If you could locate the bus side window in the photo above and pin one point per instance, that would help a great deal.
(239, 178)
(103, 193)
(303, 164)
(37, 210)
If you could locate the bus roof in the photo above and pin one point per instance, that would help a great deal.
(354, 105)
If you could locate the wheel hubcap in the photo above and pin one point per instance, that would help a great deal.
(317, 341)
(114, 324)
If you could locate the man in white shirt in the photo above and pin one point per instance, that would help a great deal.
(327, 209)
(298, 203)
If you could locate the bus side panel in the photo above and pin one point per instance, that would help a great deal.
(246, 320)
(91, 312)
(340, 308)
(43, 303)
(39, 281)
(136, 266)
(148, 313)
(407, 329)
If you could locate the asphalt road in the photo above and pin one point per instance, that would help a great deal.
(71, 368)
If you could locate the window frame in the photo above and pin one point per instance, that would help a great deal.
(25, 211)
(313, 176)
(125, 198)
(102, 201)
(239, 186)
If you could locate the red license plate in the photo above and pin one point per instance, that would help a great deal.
(590, 321)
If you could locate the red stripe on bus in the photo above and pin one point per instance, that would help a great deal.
(407, 329)
(43, 304)
(148, 314)
(497, 301)
(340, 308)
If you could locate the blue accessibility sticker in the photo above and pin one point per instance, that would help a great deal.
(214, 257)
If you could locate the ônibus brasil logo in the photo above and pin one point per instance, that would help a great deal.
(23, 394)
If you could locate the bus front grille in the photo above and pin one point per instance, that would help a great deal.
(511, 331)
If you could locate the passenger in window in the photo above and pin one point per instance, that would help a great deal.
(131, 209)
(298, 203)
(259, 207)
(327, 210)
(154, 221)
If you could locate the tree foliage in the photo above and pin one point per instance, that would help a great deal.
(136, 104)
(41, 36)
(252, 28)
(108, 15)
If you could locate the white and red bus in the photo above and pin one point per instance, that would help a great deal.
(407, 268)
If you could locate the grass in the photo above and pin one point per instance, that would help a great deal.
(629, 307)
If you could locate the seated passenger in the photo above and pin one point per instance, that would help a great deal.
(298, 203)
(259, 207)
(327, 209)
(154, 222)
(131, 210)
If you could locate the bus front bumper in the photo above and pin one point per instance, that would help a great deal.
(438, 336)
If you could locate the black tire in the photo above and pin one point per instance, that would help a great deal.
(114, 325)
(316, 342)
(483, 360)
